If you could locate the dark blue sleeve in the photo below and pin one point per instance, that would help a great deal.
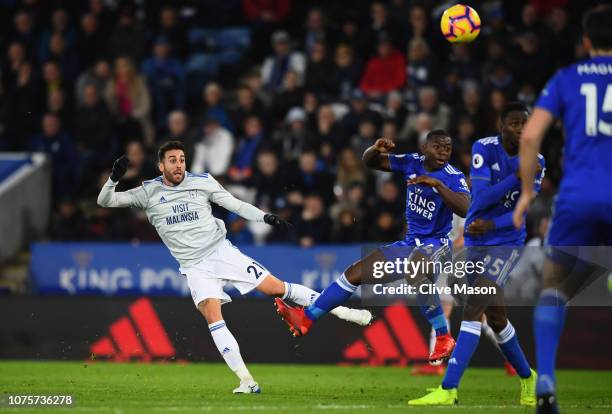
(505, 220)
(485, 195)
(401, 162)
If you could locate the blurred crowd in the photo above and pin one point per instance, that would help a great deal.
(277, 99)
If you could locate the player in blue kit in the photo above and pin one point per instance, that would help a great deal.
(435, 190)
(490, 237)
(581, 96)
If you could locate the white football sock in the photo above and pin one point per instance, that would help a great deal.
(299, 294)
(229, 350)
(304, 296)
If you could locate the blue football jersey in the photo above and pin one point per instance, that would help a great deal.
(581, 95)
(494, 172)
(426, 213)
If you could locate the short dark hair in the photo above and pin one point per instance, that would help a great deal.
(167, 146)
(436, 133)
(596, 26)
(513, 106)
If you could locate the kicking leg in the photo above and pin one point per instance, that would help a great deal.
(300, 320)
(227, 345)
(304, 296)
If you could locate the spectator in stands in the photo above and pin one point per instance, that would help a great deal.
(313, 225)
(294, 137)
(419, 27)
(347, 228)
(421, 69)
(462, 64)
(389, 200)
(471, 108)
(15, 57)
(350, 171)
(496, 102)
(276, 66)
(25, 33)
(368, 132)
(533, 63)
(23, 105)
(266, 11)
(329, 133)
(172, 30)
(254, 82)
(166, 78)
(178, 130)
(316, 29)
(359, 111)
(103, 15)
(129, 99)
(384, 228)
(308, 179)
(318, 69)
(269, 182)
(564, 36)
(244, 156)
(69, 222)
(382, 24)
(414, 137)
(53, 80)
(439, 112)
(91, 42)
(98, 75)
(247, 105)
(58, 145)
(68, 62)
(351, 35)
(346, 71)
(56, 104)
(128, 38)
(94, 134)
(60, 25)
(501, 78)
(384, 72)
(395, 110)
(289, 96)
(213, 152)
(212, 96)
(140, 168)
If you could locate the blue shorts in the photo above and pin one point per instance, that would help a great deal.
(435, 249)
(497, 262)
(580, 224)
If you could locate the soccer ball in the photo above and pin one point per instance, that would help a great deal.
(460, 24)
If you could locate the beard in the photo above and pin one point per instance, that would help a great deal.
(171, 177)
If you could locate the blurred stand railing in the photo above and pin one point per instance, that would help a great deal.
(25, 200)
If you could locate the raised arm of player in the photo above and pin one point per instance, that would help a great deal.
(376, 156)
(458, 201)
(529, 146)
(131, 198)
(223, 198)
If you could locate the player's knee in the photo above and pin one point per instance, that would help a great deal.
(472, 312)
(353, 274)
(497, 321)
(211, 310)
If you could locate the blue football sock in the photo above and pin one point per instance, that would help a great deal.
(509, 345)
(335, 295)
(467, 342)
(549, 317)
(431, 309)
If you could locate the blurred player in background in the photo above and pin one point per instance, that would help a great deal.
(490, 237)
(177, 204)
(581, 96)
(435, 190)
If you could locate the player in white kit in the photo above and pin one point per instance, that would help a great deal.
(177, 204)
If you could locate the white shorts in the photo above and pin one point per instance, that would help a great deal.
(225, 265)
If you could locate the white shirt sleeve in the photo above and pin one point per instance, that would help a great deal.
(136, 197)
(223, 198)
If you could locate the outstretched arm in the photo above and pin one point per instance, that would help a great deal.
(376, 156)
(222, 197)
(132, 198)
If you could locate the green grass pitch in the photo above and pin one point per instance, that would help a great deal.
(201, 388)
